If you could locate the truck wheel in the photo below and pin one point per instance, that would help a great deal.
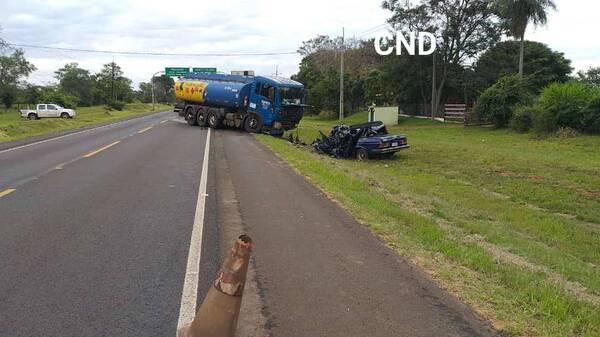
(64, 115)
(253, 123)
(32, 116)
(362, 154)
(214, 121)
(201, 117)
(189, 116)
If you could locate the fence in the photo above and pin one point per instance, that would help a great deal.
(455, 112)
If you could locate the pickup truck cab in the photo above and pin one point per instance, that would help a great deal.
(48, 110)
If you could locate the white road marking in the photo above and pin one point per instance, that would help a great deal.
(70, 134)
(145, 129)
(189, 295)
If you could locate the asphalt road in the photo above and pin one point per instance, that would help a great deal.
(95, 231)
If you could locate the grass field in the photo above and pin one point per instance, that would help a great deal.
(507, 222)
(13, 127)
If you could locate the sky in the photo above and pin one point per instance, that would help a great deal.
(257, 26)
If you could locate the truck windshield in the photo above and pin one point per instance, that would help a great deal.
(290, 96)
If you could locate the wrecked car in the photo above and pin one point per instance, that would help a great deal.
(362, 141)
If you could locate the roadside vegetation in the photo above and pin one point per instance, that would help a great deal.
(13, 127)
(508, 222)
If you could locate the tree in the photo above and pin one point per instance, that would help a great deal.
(319, 72)
(545, 66)
(13, 68)
(463, 28)
(111, 85)
(144, 93)
(590, 76)
(517, 14)
(164, 89)
(75, 82)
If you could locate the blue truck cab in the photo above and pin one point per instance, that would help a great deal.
(255, 103)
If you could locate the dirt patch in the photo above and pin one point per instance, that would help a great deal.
(587, 193)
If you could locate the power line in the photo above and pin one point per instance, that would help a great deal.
(373, 29)
(23, 45)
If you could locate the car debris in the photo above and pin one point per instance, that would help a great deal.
(363, 141)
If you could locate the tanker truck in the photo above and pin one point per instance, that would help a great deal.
(253, 103)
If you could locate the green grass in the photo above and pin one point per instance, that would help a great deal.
(13, 127)
(507, 222)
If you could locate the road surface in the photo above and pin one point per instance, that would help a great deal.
(96, 229)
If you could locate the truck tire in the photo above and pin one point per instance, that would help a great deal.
(32, 116)
(253, 123)
(64, 115)
(201, 117)
(214, 120)
(190, 117)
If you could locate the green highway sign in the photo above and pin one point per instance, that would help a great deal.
(205, 70)
(177, 71)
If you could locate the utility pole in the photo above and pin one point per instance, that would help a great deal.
(152, 86)
(433, 89)
(342, 78)
(112, 80)
(276, 70)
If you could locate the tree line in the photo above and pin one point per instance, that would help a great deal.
(471, 57)
(74, 85)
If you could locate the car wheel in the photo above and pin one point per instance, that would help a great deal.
(64, 115)
(253, 123)
(201, 117)
(214, 121)
(362, 154)
(189, 116)
(32, 116)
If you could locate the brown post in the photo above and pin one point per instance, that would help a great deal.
(217, 317)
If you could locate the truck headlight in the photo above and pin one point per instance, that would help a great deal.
(277, 125)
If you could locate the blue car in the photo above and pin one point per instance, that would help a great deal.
(363, 141)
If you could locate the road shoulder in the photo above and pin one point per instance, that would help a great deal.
(48, 136)
(316, 263)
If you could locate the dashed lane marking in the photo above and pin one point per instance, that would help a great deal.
(101, 149)
(7, 192)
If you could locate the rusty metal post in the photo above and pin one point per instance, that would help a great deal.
(217, 317)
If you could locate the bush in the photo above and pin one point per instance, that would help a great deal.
(522, 119)
(591, 118)
(57, 96)
(566, 132)
(497, 103)
(565, 105)
(116, 105)
(328, 114)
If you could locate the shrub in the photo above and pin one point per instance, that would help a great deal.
(57, 96)
(116, 105)
(566, 132)
(497, 103)
(564, 105)
(522, 119)
(591, 118)
(328, 114)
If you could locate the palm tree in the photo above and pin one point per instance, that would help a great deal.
(519, 13)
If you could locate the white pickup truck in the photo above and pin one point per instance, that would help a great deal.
(48, 110)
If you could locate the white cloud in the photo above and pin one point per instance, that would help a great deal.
(178, 27)
(572, 29)
(227, 26)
